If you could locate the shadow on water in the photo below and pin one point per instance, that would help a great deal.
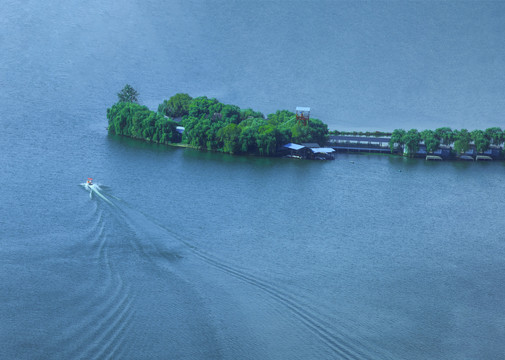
(260, 161)
(195, 157)
(136, 144)
(207, 156)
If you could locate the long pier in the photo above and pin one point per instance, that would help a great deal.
(341, 143)
(357, 144)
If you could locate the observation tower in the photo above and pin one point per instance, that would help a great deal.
(302, 115)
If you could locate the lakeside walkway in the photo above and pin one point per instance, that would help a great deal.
(370, 144)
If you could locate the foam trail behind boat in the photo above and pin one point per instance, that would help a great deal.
(95, 189)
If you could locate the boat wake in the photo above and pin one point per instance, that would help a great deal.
(95, 189)
(158, 244)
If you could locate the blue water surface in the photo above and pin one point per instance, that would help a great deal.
(181, 254)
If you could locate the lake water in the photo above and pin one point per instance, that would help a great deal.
(183, 254)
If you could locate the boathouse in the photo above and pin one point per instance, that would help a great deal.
(311, 151)
(442, 153)
(493, 153)
(293, 150)
(322, 153)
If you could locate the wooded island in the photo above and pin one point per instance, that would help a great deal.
(204, 123)
(211, 125)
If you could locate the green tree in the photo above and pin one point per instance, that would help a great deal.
(495, 135)
(480, 140)
(203, 106)
(195, 131)
(247, 139)
(411, 140)
(397, 138)
(230, 138)
(445, 135)
(266, 140)
(128, 94)
(213, 141)
(176, 106)
(281, 117)
(430, 139)
(462, 140)
(250, 114)
(230, 114)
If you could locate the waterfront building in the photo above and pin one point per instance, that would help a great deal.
(360, 144)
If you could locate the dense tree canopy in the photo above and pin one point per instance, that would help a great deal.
(136, 121)
(216, 126)
(210, 124)
(461, 139)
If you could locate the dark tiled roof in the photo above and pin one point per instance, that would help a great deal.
(358, 138)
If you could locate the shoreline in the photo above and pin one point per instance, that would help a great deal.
(363, 152)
